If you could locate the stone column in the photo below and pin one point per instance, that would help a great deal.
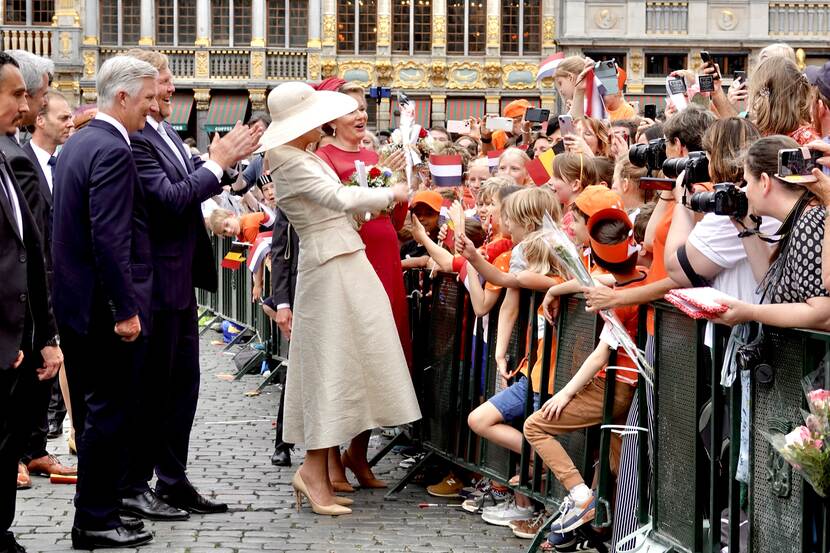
(698, 18)
(439, 28)
(548, 99)
(66, 48)
(384, 110)
(90, 22)
(493, 28)
(202, 97)
(202, 24)
(329, 42)
(439, 109)
(384, 35)
(492, 106)
(258, 20)
(635, 71)
(636, 18)
(148, 23)
(315, 24)
(548, 27)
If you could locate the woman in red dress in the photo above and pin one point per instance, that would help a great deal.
(381, 239)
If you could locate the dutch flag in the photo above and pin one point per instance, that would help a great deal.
(260, 248)
(446, 170)
(493, 160)
(548, 66)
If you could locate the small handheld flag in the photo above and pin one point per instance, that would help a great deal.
(261, 247)
(493, 160)
(234, 258)
(548, 66)
(446, 170)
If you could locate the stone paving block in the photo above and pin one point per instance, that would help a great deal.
(231, 462)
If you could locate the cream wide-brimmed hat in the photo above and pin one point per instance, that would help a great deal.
(296, 108)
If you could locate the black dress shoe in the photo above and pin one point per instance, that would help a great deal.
(117, 537)
(132, 524)
(187, 498)
(148, 505)
(281, 457)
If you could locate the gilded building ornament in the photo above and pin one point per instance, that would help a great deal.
(411, 74)
(89, 64)
(358, 72)
(202, 42)
(202, 64)
(438, 73)
(258, 42)
(520, 76)
(465, 75)
(492, 75)
(329, 30)
(313, 66)
(493, 31)
(202, 97)
(439, 31)
(65, 40)
(90, 40)
(636, 62)
(328, 68)
(548, 32)
(384, 72)
(801, 58)
(257, 97)
(258, 65)
(146, 41)
(384, 26)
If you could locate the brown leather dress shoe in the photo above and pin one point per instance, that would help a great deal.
(24, 481)
(48, 465)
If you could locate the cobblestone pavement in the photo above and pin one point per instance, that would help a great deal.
(230, 457)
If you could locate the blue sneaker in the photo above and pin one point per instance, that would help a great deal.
(558, 539)
(574, 514)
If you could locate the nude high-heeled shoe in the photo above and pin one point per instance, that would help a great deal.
(365, 481)
(344, 501)
(300, 491)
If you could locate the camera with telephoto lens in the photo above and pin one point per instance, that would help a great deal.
(725, 199)
(650, 156)
(696, 166)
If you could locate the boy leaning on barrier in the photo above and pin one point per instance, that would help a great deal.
(579, 404)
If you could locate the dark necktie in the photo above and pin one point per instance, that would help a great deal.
(53, 160)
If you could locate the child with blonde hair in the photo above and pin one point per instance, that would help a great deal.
(512, 164)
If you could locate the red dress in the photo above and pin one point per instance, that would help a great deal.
(381, 239)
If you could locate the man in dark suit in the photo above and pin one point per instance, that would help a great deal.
(175, 183)
(52, 126)
(102, 293)
(36, 73)
(285, 250)
(26, 321)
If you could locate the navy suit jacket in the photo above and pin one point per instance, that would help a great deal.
(285, 252)
(182, 252)
(100, 240)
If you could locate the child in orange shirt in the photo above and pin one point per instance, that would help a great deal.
(244, 227)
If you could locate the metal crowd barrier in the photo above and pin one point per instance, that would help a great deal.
(688, 492)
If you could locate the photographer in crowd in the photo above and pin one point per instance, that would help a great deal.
(793, 273)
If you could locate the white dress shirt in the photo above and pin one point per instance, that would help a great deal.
(210, 164)
(115, 123)
(43, 158)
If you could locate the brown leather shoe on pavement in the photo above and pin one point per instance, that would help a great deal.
(48, 465)
(24, 481)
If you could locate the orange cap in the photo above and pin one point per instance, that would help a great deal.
(428, 197)
(597, 197)
(516, 108)
(612, 253)
(621, 76)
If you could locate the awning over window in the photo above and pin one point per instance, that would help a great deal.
(182, 105)
(225, 110)
(459, 109)
(423, 112)
(534, 103)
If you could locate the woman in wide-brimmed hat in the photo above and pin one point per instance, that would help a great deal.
(348, 373)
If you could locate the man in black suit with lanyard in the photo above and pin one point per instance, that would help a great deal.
(174, 183)
(26, 321)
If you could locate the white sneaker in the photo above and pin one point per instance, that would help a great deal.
(504, 514)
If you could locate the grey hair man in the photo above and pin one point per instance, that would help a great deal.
(37, 74)
(103, 282)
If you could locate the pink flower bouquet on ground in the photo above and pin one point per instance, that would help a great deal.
(806, 448)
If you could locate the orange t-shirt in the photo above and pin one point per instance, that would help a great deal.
(629, 316)
(657, 271)
(249, 226)
(536, 372)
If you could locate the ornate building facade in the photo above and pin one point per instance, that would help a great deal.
(455, 58)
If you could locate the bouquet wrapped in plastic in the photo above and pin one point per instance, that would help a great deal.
(568, 256)
(806, 448)
(370, 177)
(413, 139)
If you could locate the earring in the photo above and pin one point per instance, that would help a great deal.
(334, 131)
